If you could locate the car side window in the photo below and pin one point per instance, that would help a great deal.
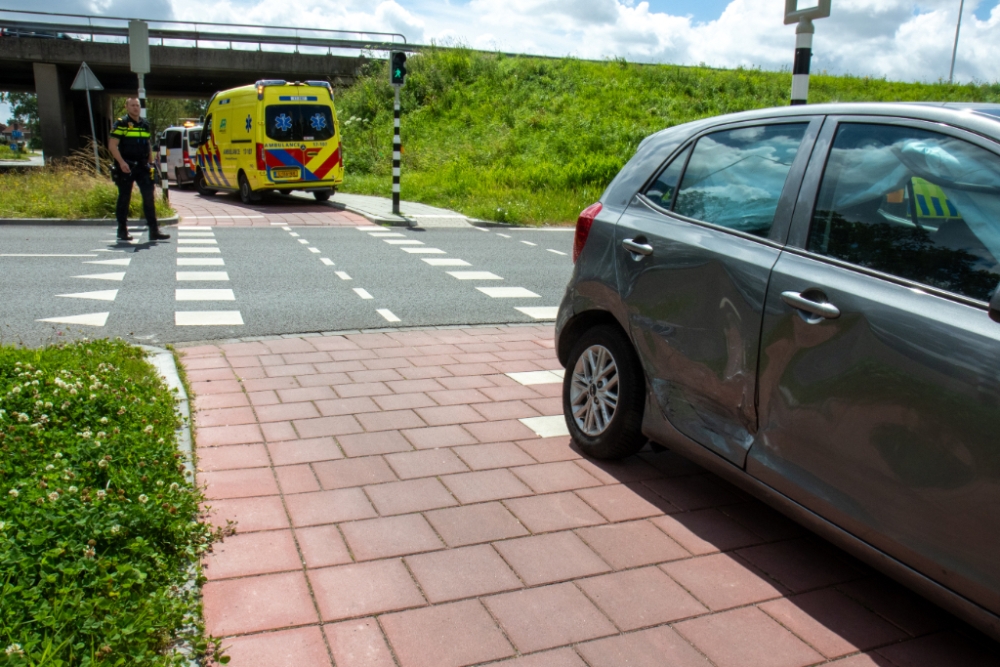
(173, 140)
(912, 203)
(734, 178)
(662, 190)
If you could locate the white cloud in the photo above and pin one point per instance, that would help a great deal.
(898, 39)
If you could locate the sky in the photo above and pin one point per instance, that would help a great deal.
(903, 40)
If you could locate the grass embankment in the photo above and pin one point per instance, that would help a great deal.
(70, 191)
(7, 154)
(98, 527)
(532, 140)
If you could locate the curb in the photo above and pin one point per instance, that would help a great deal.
(166, 365)
(86, 222)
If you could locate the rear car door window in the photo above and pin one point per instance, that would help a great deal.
(916, 204)
(298, 122)
(734, 178)
(662, 190)
(173, 139)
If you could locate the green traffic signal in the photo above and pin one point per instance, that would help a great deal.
(397, 73)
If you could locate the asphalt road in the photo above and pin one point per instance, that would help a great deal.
(283, 280)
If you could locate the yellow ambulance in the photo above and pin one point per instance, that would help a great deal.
(273, 135)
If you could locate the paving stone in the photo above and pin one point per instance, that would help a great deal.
(291, 452)
(369, 444)
(656, 647)
(353, 472)
(556, 511)
(312, 509)
(358, 643)
(285, 648)
(253, 604)
(296, 479)
(425, 463)
(462, 573)
(238, 483)
(322, 546)
(390, 536)
(472, 524)
(621, 502)
(249, 514)
(631, 544)
(448, 635)
(543, 559)
(721, 581)
(415, 495)
(641, 598)
(245, 555)
(553, 477)
(706, 531)
(362, 589)
(438, 436)
(746, 638)
(493, 455)
(547, 617)
(485, 485)
(232, 457)
(800, 564)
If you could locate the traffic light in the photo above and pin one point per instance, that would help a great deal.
(397, 71)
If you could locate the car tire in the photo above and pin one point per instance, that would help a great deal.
(322, 195)
(604, 395)
(201, 186)
(247, 194)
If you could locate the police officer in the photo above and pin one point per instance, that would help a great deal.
(133, 152)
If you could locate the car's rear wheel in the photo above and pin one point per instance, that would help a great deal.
(322, 195)
(201, 186)
(603, 395)
(247, 194)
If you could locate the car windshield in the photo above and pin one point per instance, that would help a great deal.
(298, 122)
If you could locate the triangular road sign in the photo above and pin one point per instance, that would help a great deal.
(85, 80)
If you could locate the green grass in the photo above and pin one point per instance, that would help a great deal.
(98, 527)
(533, 141)
(66, 192)
(7, 154)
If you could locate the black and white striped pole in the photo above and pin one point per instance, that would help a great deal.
(803, 42)
(164, 181)
(397, 76)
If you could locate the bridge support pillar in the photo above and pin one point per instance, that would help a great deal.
(54, 111)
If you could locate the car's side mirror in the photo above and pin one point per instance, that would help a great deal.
(995, 306)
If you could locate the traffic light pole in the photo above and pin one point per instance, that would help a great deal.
(396, 152)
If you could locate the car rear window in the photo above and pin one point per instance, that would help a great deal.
(194, 138)
(298, 122)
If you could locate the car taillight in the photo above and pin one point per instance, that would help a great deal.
(187, 157)
(583, 224)
(261, 165)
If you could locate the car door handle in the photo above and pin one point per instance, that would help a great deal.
(799, 302)
(637, 248)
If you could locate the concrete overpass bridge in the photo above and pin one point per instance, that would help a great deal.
(41, 52)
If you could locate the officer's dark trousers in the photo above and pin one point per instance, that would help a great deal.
(140, 176)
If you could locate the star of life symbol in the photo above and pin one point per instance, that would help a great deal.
(249, 122)
(283, 123)
(318, 121)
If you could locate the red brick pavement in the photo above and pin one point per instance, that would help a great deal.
(392, 511)
(226, 210)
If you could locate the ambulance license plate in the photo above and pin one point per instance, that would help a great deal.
(285, 173)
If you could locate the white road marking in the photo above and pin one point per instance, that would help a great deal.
(104, 276)
(98, 250)
(212, 217)
(200, 250)
(198, 241)
(445, 261)
(101, 295)
(111, 262)
(368, 228)
(363, 293)
(508, 293)
(43, 255)
(556, 252)
(208, 234)
(403, 242)
(503, 236)
(546, 427)
(202, 275)
(190, 227)
(541, 313)
(387, 314)
(285, 227)
(200, 261)
(293, 234)
(277, 223)
(315, 250)
(481, 229)
(326, 260)
(90, 319)
(385, 235)
(303, 241)
(189, 318)
(204, 295)
(536, 377)
(528, 243)
(342, 275)
(424, 251)
(474, 275)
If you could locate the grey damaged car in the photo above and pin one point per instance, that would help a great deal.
(804, 300)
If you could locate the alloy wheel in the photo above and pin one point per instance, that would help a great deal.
(594, 390)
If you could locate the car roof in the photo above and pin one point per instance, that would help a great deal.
(982, 118)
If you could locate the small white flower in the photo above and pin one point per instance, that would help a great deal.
(73, 392)
(102, 464)
(101, 495)
(16, 390)
(72, 489)
(57, 455)
(48, 404)
(89, 552)
(3, 524)
(115, 529)
(174, 486)
(148, 429)
(101, 434)
(14, 649)
(22, 417)
(53, 497)
(104, 420)
(50, 467)
(143, 498)
(13, 493)
(85, 435)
